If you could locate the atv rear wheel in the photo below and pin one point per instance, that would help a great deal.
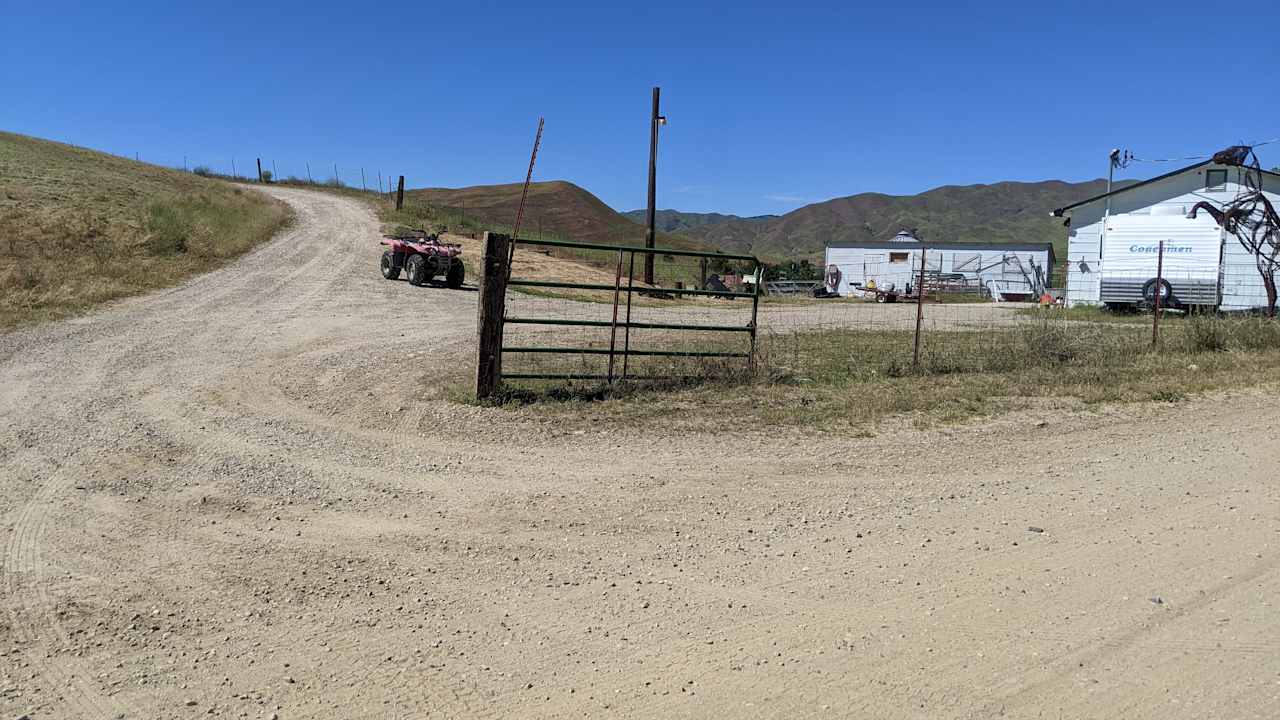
(388, 264)
(457, 273)
(416, 270)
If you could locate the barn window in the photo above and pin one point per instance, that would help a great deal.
(899, 257)
(1215, 179)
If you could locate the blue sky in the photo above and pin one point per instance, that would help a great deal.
(771, 105)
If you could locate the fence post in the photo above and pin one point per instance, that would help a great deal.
(1155, 316)
(492, 306)
(362, 183)
(259, 169)
(400, 193)
(915, 353)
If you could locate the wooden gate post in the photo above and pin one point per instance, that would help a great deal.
(492, 306)
(400, 193)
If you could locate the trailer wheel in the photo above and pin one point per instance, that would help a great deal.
(1166, 292)
(416, 270)
(457, 273)
(388, 264)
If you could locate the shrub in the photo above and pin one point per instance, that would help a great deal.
(202, 171)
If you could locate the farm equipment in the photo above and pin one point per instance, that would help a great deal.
(422, 257)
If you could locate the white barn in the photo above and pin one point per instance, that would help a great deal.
(1113, 241)
(998, 268)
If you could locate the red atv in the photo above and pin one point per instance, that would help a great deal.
(422, 257)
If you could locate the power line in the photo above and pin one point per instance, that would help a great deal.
(1131, 158)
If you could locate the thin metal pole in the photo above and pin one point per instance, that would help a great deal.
(915, 354)
(613, 331)
(524, 195)
(650, 212)
(362, 184)
(1155, 318)
(309, 178)
(234, 174)
(336, 179)
(275, 173)
(755, 305)
(1112, 158)
(626, 333)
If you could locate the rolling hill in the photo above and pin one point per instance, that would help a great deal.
(1000, 212)
(555, 209)
(80, 227)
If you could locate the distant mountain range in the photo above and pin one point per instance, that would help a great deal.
(1000, 212)
(674, 221)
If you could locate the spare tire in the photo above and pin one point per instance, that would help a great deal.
(1166, 292)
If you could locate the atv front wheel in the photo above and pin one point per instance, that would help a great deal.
(457, 273)
(416, 270)
(388, 264)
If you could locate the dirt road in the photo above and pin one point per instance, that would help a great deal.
(240, 498)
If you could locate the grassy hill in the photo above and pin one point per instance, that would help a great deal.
(1001, 212)
(675, 221)
(79, 227)
(555, 210)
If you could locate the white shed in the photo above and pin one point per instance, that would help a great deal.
(1113, 241)
(997, 268)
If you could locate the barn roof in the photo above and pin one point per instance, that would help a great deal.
(916, 244)
(1116, 191)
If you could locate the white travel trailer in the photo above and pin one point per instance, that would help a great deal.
(1114, 239)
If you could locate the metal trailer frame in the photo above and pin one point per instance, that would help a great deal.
(626, 325)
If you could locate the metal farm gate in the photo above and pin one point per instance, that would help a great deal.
(495, 315)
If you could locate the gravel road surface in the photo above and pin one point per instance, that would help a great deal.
(243, 497)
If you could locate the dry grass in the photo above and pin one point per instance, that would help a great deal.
(855, 381)
(78, 227)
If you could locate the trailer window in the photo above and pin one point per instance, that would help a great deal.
(1215, 179)
(899, 257)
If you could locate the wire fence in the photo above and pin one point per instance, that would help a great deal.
(584, 312)
(292, 172)
(1104, 317)
(929, 325)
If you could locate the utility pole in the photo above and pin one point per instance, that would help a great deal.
(1115, 159)
(650, 215)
